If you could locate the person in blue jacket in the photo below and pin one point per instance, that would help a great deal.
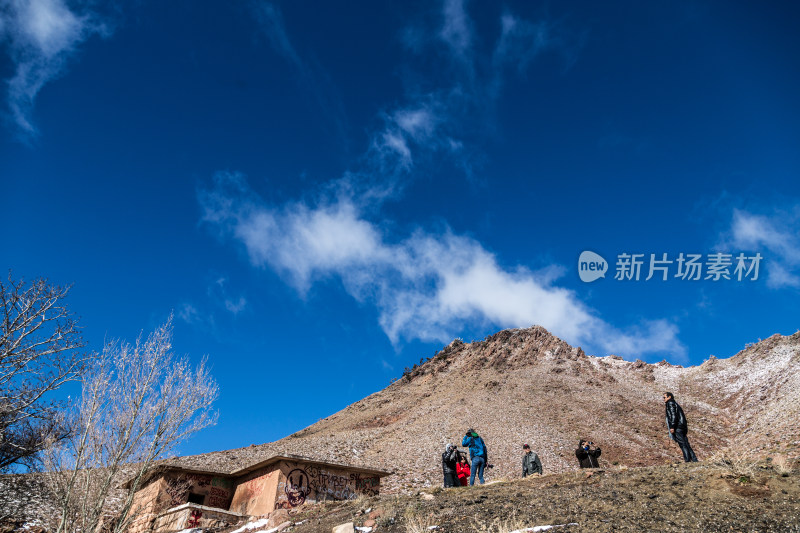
(477, 453)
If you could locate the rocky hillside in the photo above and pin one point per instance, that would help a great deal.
(528, 386)
(698, 497)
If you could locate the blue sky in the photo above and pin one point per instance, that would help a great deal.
(324, 194)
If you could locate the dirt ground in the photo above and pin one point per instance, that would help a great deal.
(683, 497)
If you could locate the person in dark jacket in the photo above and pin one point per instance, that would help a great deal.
(676, 422)
(477, 453)
(449, 466)
(587, 454)
(530, 462)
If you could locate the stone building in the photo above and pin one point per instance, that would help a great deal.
(172, 498)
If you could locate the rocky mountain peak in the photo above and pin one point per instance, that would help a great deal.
(504, 350)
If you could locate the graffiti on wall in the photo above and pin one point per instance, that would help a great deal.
(315, 483)
(177, 490)
(200, 480)
(217, 497)
(222, 482)
(367, 485)
(297, 486)
(252, 488)
(194, 518)
(217, 490)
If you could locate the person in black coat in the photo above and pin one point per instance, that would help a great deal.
(449, 466)
(676, 422)
(587, 454)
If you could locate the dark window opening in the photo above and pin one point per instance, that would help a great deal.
(196, 498)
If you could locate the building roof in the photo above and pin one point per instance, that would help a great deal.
(301, 459)
(163, 468)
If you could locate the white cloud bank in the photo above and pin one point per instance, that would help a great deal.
(775, 236)
(42, 35)
(426, 285)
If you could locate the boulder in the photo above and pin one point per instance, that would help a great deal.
(276, 517)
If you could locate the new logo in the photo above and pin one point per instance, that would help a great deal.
(591, 266)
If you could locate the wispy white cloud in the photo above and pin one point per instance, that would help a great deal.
(42, 35)
(776, 235)
(455, 108)
(219, 294)
(205, 314)
(311, 75)
(414, 132)
(189, 314)
(456, 30)
(274, 28)
(521, 41)
(237, 306)
(424, 286)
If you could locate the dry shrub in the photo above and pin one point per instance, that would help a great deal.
(417, 523)
(498, 525)
(736, 462)
(783, 464)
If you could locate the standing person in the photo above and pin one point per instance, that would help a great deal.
(676, 422)
(587, 453)
(530, 462)
(449, 465)
(462, 469)
(478, 454)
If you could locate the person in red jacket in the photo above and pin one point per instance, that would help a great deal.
(462, 469)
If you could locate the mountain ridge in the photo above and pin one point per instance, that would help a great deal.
(529, 386)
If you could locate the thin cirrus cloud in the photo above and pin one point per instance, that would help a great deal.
(425, 286)
(776, 236)
(451, 116)
(218, 297)
(311, 76)
(456, 29)
(42, 36)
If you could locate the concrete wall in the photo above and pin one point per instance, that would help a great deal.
(147, 503)
(194, 516)
(255, 493)
(172, 489)
(288, 484)
(217, 490)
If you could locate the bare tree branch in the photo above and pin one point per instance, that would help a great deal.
(39, 351)
(138, 402)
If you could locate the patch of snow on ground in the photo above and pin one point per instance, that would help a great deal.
(542, 528)
(253, 525)
(757, 372)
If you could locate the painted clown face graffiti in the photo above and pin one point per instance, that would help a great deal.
(297, 487)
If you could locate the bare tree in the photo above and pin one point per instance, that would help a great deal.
(138, 402)
(39, 351)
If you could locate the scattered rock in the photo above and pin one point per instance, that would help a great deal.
(278, 516)
(347, 527)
